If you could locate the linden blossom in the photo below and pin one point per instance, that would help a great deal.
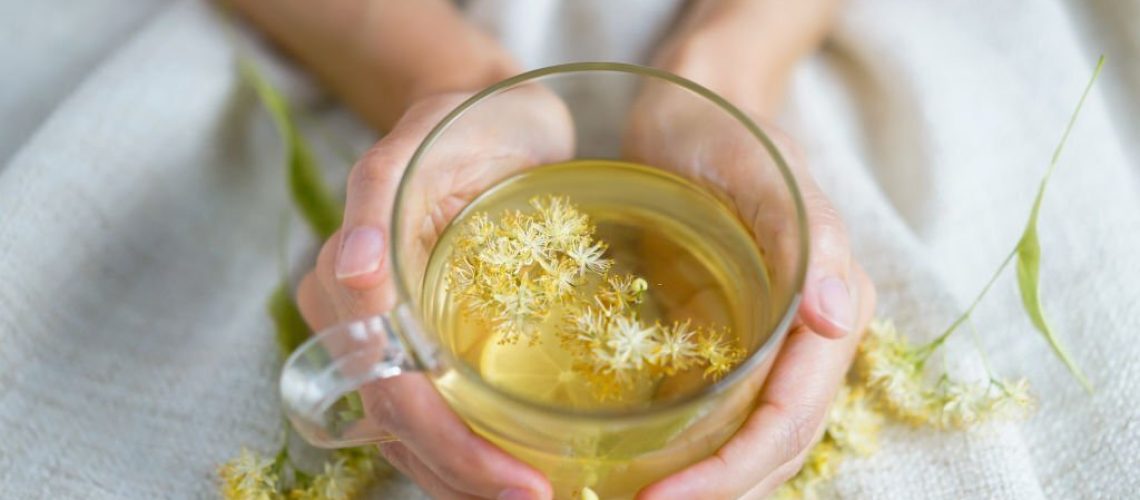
(545, 268)
(347, 475)
(893, 371)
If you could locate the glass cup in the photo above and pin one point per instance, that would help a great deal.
(617, 111)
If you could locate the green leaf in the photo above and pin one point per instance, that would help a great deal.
(288, 324)
(312, 197)
(309, 193)
(287, 320)
(1029, 252)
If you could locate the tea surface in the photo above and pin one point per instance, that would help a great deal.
(690, 265)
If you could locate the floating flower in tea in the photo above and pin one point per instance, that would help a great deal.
(544, 269)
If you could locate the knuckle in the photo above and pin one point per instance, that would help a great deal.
(370, 173)
(821, 212)
(788, 147)
(827, 228)
(379, 166)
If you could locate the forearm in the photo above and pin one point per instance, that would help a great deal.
(746, 50)
(381, 55)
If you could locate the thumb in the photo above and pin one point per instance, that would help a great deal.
(830, 305)
(365, 236)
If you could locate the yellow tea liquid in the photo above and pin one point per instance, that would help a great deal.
(699, 265)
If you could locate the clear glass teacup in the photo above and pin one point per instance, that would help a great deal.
(697, 147)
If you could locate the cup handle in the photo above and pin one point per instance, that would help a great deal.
(319, 380)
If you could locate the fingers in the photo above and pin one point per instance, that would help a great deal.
(371, 193)
(439, 451)
(793, 403)
(407, 463)
(672, 132)
(518, 129)
(338, 302)
(410, 408)
(318, 313)
(353, 279)
(785, 472)
(830, 299)
(769, 448)
(829, 305)
(792, 408)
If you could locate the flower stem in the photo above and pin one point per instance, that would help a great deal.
(925, 351)
(981, 351)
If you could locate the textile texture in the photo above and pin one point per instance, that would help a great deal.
(142, 197)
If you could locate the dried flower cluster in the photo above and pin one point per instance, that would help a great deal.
(249, 476)
(893, 372)
(890, 383)
(253, 477)
(530, 271)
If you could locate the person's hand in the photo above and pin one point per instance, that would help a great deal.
(353, 279)
(671, 129)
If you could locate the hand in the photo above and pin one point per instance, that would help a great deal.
(670, 129)
(352, 279)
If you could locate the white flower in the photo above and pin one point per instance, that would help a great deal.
(609, 361)
(560, 221)
(677, 350)
(561, 278)
(517, 310)
(462, 275)
(631, 341)
(1014, 400)
(532, 244)
(249, 476)
(591, 325)
(588, 257)
(852, 423)
(501, 252)
(892, 370)
(338, 482)
(961, 404)
(478, 230)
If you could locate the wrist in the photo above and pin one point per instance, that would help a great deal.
(746, 50)
(473, 65)
(755, 83)
(379, 56)
(428, 51)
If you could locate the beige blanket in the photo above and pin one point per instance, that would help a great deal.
(141, 195)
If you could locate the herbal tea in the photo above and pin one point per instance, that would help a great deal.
(597, 286)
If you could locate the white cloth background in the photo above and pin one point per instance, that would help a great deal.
(141, 193)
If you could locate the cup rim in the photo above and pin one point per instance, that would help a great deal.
(780, 328)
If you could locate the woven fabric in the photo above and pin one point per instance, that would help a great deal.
(141, 200)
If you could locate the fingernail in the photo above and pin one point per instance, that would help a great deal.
(361, 252)
(516, 494)
(835, 303)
